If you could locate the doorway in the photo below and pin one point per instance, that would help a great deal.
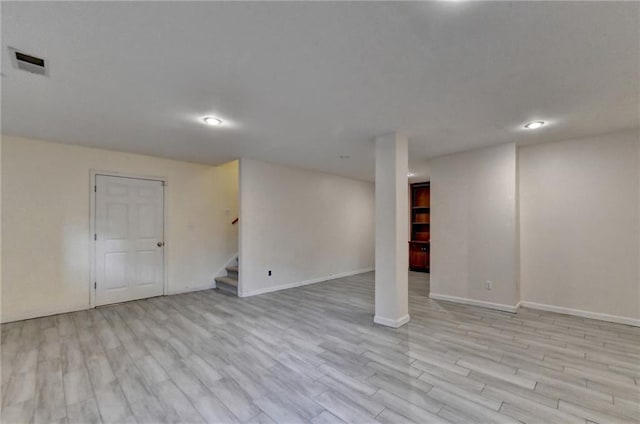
(128, 222)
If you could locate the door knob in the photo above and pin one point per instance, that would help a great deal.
(160, 244)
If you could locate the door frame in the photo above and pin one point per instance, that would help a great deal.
(93, 174)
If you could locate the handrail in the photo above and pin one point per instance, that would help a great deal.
(235, 221)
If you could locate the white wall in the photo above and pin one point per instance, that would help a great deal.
(304, 226)
(0, 227)
(45, 222)
(474, 227)
(580, 217)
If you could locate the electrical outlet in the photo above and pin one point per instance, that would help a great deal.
(488, 285)
(269, 273)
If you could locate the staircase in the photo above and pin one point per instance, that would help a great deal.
(229, 283)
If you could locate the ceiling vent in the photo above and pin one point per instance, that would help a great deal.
(27, 62)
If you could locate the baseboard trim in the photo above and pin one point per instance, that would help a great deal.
(41, 313)
(44, 313)
(581, 313)
(474, 302)
(389, 322)
(304, 283)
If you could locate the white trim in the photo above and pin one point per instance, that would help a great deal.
(394, 323)
(304, 283)
(473, 302)
(581, 313)
(43, 313)
(93, 173)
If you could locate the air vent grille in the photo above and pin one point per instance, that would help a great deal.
(28, 62)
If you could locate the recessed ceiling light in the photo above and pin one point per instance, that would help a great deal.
(533, 125)
(410, 174)
(344, 156)
(210, 120)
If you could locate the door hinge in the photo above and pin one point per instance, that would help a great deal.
(95, 188)
(95, 237)
(95, 285)
(164, 183)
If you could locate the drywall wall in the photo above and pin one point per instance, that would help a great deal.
(580, 224)
(45, 222)
(304, 226)
(0, 227)
(473, 227)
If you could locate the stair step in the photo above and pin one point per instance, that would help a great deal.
(227, 284)
(232, 269)
(228, 281)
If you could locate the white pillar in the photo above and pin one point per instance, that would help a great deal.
(392, 228)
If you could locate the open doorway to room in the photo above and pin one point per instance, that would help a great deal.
(420, 237)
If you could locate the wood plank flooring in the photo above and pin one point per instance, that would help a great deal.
(313, 355)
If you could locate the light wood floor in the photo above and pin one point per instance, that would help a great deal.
(312, 354)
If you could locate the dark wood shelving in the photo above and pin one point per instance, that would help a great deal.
(419, 246)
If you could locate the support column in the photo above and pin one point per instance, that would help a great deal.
(392, 227)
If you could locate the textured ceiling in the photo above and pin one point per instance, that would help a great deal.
(303, 83)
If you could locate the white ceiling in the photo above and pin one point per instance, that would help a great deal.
(303, 83)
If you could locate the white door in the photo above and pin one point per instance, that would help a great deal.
(129, 239)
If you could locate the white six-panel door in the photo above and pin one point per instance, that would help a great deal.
(129, 233)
